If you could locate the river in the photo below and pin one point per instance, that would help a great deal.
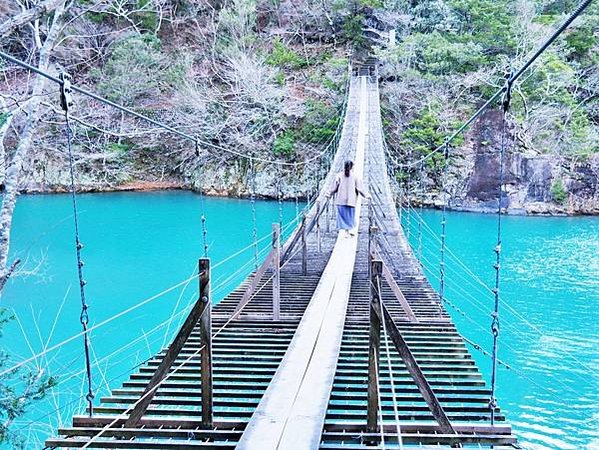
(137, 245)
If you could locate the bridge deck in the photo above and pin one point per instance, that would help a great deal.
(248, 352)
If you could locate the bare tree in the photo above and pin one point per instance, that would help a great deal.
(32, 115)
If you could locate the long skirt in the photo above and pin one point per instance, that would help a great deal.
(345, 217)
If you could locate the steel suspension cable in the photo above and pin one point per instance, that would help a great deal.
(481, 307)
(66, 102)
(408, 189)
(176, 369)
(280, 197)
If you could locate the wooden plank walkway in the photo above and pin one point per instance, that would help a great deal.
(313, 353)
(292, 411)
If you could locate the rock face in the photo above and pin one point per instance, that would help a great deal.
(532, 183)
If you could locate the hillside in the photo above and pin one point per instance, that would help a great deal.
(267, 78)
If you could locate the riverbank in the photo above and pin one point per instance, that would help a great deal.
(543, 209)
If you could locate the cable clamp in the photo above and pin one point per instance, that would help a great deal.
(507, 95)
(66, 91)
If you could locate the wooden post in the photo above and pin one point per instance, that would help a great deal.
(276, 265)
(206, 343)
(304, 246)
(318, 225)
(372, 425)
(372, 231)
(174, 349)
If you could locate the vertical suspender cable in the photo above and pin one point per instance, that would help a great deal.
(66, 102)
(421, 189)
(253, 202)
(204, 231)
(443, 220)
(408, 202)
(280, 196)
(495, 315)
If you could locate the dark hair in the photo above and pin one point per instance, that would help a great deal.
(347, 167)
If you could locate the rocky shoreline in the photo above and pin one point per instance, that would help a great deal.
(543, 209)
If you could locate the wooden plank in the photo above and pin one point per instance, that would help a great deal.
(292, 411)
(192, 319)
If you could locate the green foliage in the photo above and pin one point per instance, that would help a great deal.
(280, 78)
(582, 40)
(3, 118)
(554, 72)
(137, 69)
(371, 3)
(489, 23)
(352, 30)
(285, 57)
(237, 26)
(284, 144)
(15, 398)
(425, 133)
(122, 147)
(96, 17)
(320, 122)
(558, 191)
(147, 18)
(434, 54)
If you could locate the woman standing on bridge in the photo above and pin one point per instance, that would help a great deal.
(347, 186)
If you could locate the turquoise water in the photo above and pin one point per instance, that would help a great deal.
(548, 318)
(139, 244)
(136, 245)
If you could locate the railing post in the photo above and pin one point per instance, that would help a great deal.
(372, 426)
(206, 343)
(318, 225)
(372, 231)
(304, 246)
(276, 265)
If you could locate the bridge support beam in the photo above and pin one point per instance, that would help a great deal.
(199, 313)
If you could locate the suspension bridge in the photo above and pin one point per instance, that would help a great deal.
(332, 342)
